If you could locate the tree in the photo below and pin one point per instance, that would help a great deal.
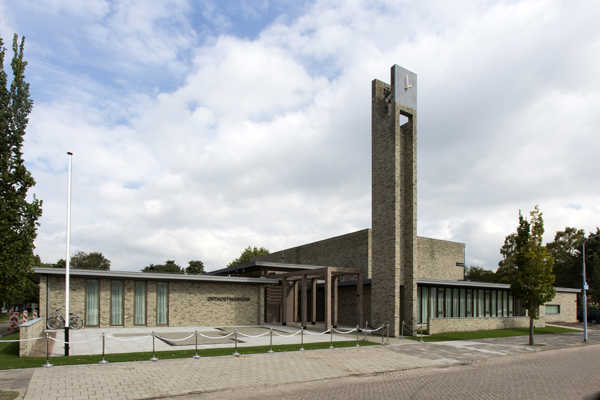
(168, 267)
(93, 260)
(528, 264)
(18, 216)
(195, 267)
(566, 251)
(248, 254)
(479, 274)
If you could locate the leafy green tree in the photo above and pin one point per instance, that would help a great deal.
(168, 267)
(93, 260)
(528, 264)
(195, 267)
(18, 216)
(479, 274)
(566, 251)
(248, 254)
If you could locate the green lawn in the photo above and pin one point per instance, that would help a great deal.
(496, 333)
(9, 357)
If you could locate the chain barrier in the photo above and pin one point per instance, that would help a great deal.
(302, 331)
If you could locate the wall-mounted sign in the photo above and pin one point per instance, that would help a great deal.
(227, 298)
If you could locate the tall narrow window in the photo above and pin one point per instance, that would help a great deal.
(432, 299)
(469, 303)
(420, 304)
(440, 302)
(91, 303)
(494, 304)
(448, 302)
(463, 304)
(504, 303)
(162, 294)
(455, 295)
(116, 303)
(480, 303)
(424, 301)
(140, 303)
(510, 305)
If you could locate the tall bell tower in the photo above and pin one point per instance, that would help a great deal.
(394, 200)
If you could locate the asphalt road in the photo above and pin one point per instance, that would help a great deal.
(557, 374)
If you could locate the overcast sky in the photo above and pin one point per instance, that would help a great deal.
(200, 128)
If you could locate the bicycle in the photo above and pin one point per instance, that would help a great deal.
(58, 321)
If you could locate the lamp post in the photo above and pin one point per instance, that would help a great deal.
(585, 288)
(68, 257)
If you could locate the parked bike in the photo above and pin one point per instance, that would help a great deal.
(58, 321)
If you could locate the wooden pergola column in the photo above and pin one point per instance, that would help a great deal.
(314, 301)
(284, 295)
(335, 300)
(328, 298)
(304, 300)
(359, 302)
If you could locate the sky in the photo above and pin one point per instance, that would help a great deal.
(199, 128)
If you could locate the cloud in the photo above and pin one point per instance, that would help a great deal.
(266, 140)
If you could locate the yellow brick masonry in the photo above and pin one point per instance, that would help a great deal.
(189, 303)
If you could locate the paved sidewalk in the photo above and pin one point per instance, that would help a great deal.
(164, 378)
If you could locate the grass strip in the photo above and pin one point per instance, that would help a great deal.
(494, 333)
(9, 353)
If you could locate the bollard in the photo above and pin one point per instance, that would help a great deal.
(235, 353)
(270, 340)
(357, 334)
(302, 338)
(331, 338)
(196, 356)
(47, 365)
(153, 358)
(402, 328)
(103, 361)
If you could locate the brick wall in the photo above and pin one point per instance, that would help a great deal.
(350, 250)
(29, 330)
(568, 308)
(188, 302)
(474, 324)
(347, 308)
(436, 259)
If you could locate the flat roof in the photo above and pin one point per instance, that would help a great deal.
(153, 275)
(427, 281)
(269, 264)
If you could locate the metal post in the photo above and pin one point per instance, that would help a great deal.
(302, 339)
(401, 328)
(103, 361)
(387, 328)
(47, 365)
(357, 333)
(68, 258)
(196, 356)
(331, 338)
(382, 335)
(235, 353)
(270, 340)
(585, 333)
(153, 358)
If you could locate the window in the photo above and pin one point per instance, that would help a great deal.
(116, 303)
(432, 299)
(92, 303)
(510, 305)
(480, 303)
(440, 302)
(448, 302)
(505, 303)
(462, 302)
(140, 303)
(469, 303)
(494, 304)
(424, 308)
(162, 303)
(552, 309)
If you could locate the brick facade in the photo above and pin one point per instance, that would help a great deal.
(437, 259)
(188, 302)
(568, 308)
(474, 324)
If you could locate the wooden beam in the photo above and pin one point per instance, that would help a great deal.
(304, 300)
(314, 301)
(359, 300)
(335, 300)
(284, 296)
(328, 299)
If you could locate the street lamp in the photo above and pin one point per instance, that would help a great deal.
(585, 288)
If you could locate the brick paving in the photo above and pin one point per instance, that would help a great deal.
(137, 380)
(550, 375)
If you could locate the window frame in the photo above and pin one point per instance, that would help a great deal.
(85, 307)
(145, 302)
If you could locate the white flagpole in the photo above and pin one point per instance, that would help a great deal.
(68, 256)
